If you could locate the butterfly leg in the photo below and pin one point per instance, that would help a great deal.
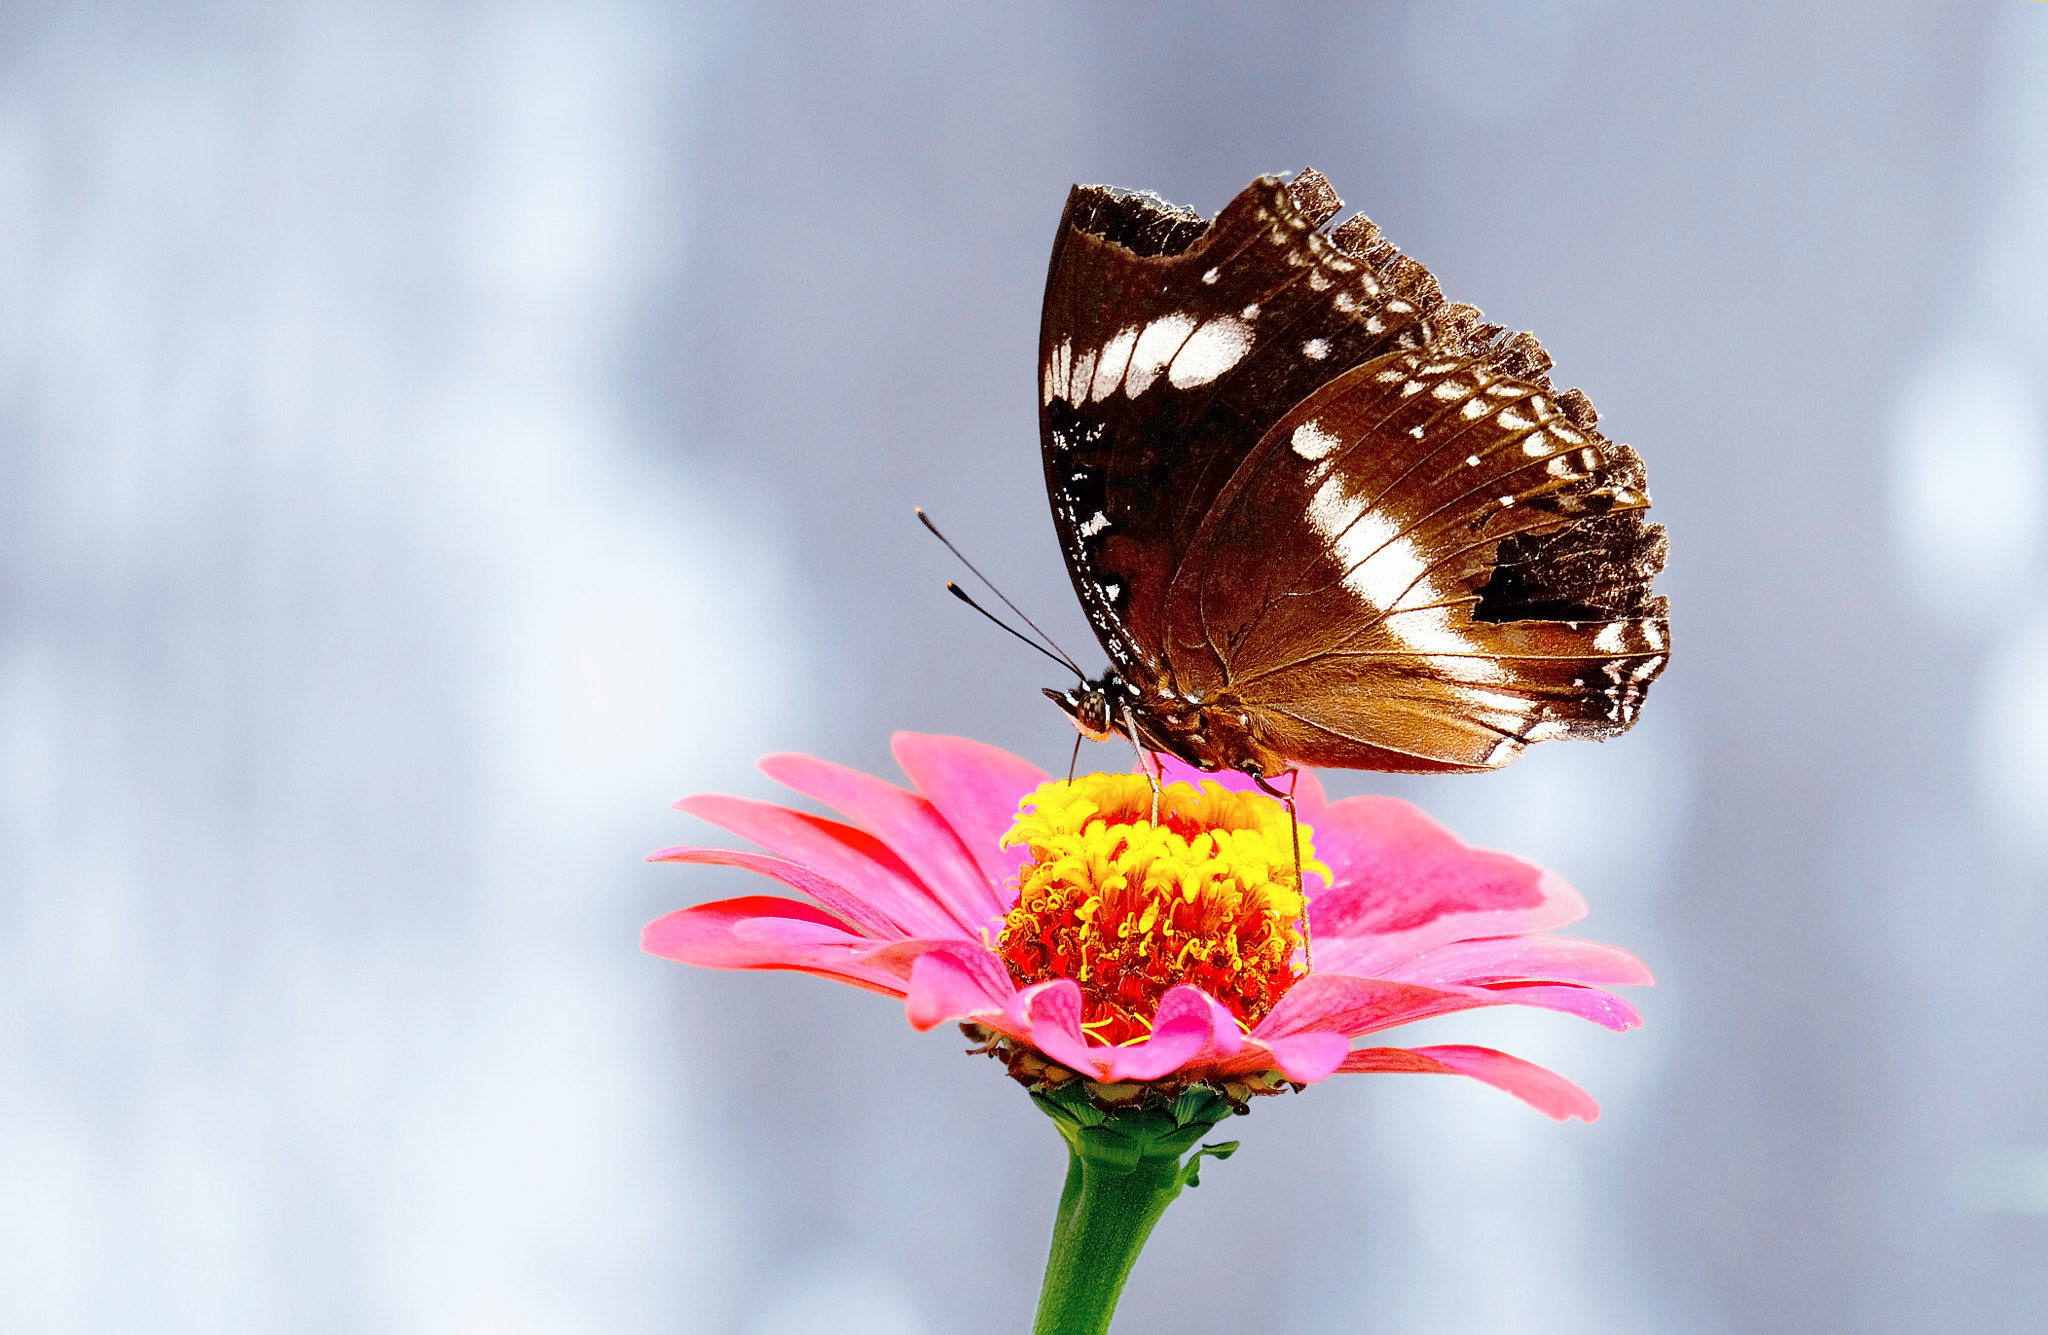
(1131, 726)
(1286, 799)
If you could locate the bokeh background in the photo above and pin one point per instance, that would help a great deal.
(435, 435)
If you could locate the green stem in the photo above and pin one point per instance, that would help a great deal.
(1104, 1220)
(1124, 1168)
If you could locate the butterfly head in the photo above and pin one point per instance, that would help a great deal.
(1093, 705)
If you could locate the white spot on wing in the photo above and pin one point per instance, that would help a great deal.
(1387, 569)
(1312, 442)
(1109, 368)
(1155, 348)
(1210, 276)
(1209, 352)
(1059, 366)
(1095, 525)
(1316, 349)
(1083, 374)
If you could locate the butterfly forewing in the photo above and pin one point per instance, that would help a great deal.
(1161, 368)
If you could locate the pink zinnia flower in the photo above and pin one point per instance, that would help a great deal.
(1081, 939)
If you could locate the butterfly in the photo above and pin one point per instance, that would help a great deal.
(1319, 515)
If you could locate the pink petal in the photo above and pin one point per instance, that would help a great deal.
(766, 932)
(1048, 1017)
(1557, 959)
(1309, 799)
(1344, 1004)
(955, 984)
(1347, 1005)
(897, 958)
(1226, 1035)
(898, 903)
(1305, 1057)
(1187, 1024)
(1173, 770)
(1405, 884)
(909, 825)
(1546, 1091)
(797, 877)
(976, 787)
(1588, 1003)
(1309, 1057)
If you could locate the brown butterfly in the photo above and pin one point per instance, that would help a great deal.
(1317, 514)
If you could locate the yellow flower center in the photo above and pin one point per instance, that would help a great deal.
(1129, 909)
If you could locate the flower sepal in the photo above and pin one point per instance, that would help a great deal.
(1120, 1139)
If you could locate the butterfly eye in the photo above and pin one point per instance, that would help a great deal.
(1089, 710)
(1091, 716)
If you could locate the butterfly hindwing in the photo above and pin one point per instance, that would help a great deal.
(1340, 586)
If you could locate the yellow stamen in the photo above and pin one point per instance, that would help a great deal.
(1129, 907)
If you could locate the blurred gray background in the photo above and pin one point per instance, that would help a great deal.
(434, 436)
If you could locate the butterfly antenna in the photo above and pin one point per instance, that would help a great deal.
(961, 594)
(1056, 653)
